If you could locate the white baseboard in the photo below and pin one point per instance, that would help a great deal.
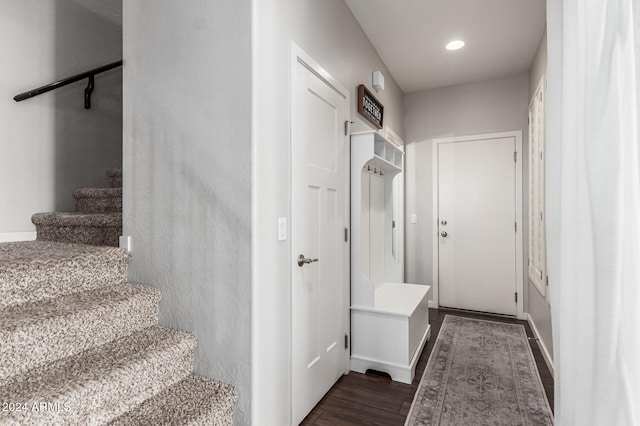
(433, 305)
(541, 345)
(7, 237)
(125, 242)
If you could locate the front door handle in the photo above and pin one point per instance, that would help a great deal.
(302, 260)
(444, 234)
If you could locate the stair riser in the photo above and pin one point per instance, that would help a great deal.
(100, 400)
(195, 401)
(27, 283)
(211, 418)
(115, 181)
(115, 177)
(99, 205)
(52, 339)
(97, 236)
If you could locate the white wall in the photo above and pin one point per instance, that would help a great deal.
(482, 107)
(553, 143)
(329, 33)
(187, 174)
(538, 306)
(50, 144)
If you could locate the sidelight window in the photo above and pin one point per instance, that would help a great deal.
(537, 246)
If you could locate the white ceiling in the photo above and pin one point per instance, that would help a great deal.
(501, 38)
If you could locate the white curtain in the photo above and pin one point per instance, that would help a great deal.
(595, 289)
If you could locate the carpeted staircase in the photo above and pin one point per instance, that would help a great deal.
(81, 346)
(97, 219)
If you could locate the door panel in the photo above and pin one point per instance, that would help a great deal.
(476, 199)
(319, 158)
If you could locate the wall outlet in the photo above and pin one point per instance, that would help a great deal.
(126, 242)
(414, 218)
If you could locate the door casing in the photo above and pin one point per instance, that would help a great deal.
(518, 207)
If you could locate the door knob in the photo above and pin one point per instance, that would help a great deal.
(443, 222)
(443, 234)
(302, 260)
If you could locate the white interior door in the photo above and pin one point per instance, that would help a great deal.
(477, 225)
(319, 159)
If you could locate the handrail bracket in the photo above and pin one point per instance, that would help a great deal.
(87, 92)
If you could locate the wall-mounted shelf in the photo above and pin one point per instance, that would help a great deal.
(386, 155)
(389, 319)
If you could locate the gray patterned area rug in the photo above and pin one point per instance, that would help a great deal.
(480, 373)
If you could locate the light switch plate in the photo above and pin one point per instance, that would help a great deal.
(282, 229)
(414, 218)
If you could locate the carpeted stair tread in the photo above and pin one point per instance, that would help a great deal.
(193, 401)
(100, 229)
(97, 193)
(37, 270)
(100, 384)
(34, 334)
(115, 177)
(78, 219)
(98, 200)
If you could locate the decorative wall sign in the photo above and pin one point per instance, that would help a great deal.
(369, 107)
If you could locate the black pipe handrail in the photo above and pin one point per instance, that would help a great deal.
(65, 81)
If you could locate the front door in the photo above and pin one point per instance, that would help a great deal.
(477, 224)
(320, 254)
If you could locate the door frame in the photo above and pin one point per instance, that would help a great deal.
(517, 134)
(299, 56)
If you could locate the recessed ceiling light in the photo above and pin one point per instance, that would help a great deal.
(455, 45)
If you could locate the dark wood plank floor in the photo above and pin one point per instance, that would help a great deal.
(359, 399)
